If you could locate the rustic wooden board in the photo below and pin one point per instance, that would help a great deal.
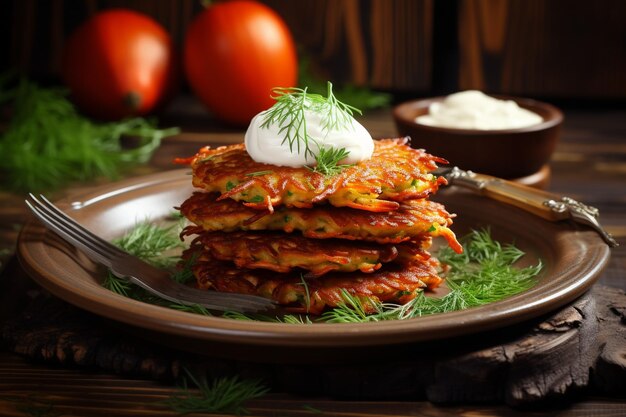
(589, 165)
(579, 347)
(37, 389)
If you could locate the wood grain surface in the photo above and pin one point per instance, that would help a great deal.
(28, 389)
(588, 165)
(531, 47)
(576, 349)
(524, 47)
(384, 44)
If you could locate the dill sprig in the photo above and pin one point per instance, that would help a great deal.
(150, 242)
(289, 113)
(339, 114)
(284, 318)
(482, 274)
(47, 144)
(307, 295)
(354, 310)
(223, 395)
(117, 285)
(485, 272)
(191, 308)
(328, 160)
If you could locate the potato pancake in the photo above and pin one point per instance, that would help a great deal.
(413, 219)
(279, 252)
(397, 283)
(396, 172)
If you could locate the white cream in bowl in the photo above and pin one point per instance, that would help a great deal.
(474, 110)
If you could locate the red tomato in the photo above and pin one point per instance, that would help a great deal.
(118, 63)
(235, 53)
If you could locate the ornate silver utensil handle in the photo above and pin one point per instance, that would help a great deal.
(541, 203)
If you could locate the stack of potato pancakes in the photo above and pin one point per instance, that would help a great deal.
(301, 238)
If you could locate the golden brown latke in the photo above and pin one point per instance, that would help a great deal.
(413, 219)
(396, 172)
(397, 283)
(281, 252)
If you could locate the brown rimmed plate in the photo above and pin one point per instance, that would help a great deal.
(573, 259)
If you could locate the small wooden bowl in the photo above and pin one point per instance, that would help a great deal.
(510, 153)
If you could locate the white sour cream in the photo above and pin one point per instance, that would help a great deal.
(265, 144)
(474, 110)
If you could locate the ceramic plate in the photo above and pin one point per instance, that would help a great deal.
(573, 258)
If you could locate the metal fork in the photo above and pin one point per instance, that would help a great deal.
(133, 269)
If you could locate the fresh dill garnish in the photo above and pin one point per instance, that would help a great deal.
(193, 308)
(328, 160)
(223, 395)
(307, 300)
(47, 144)
(482, 274)
(289, 113)
(354, 310)
(294, 319)
(284, 318)
(150, 242)
(117, 285)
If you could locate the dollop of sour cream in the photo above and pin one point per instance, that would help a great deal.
(474, 110)
(268, 145)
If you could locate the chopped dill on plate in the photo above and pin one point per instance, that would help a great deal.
(485, 272)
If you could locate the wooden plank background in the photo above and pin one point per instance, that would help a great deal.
(558, 48)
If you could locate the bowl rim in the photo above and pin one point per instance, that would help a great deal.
(555, 119)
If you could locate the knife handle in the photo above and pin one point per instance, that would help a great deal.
(541, 203)
(522, 196)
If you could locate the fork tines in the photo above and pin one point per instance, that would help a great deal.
(124, 265)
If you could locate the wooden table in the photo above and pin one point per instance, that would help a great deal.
(589, 165)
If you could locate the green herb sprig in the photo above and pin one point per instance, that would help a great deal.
(224, 395)
(151, 242)
(483, 273)
(47, 144)
(328, 160)
(154, 244)
(289, 113)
